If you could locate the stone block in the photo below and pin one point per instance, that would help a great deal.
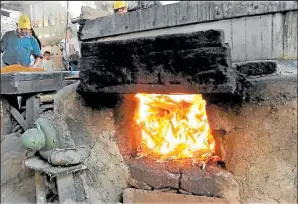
(131, 196)
(138, 184)
(153, 174)
(212, 181)
(199, 58)
(208, 65)
(209, 38)
(255, 68)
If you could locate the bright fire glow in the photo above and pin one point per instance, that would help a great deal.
(175, 126)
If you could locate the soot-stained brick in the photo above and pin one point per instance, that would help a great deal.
(202, 65)
(255, 68)
(200, 58)
(209, 38)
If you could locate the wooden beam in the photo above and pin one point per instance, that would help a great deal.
(178, 14)
(53, 40)
(58, 29)
(41, 197)
(19, 118)
(20, 83)
(13, 7)
(32, 110)
(66, 189)
(5, 13)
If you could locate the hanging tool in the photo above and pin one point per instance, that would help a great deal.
(19, 98)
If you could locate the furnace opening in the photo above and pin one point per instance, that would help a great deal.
(173, 127)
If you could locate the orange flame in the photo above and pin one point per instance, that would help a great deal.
(175, 126)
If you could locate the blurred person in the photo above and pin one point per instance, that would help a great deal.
(70, 51)
(120, 7)
(17, 46)
(32, 33)
(47, 63)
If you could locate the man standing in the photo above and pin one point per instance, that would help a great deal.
(17, 45)
(70, 51)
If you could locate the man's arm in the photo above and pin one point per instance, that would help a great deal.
(3, 42)
(36, 53)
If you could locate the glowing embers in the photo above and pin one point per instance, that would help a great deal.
(174, 127)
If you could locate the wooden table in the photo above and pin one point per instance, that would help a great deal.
(20, 96)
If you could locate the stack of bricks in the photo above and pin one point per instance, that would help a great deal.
(199, 59)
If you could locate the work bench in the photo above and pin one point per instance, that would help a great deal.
(25, 95)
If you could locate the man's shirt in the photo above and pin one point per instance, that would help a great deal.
(17, 50)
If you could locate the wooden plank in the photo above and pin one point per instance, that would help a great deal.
(36, 86)
(40, 188)
(52, 40)
(33, 86)
(236, 37)
(19, 118)
(238, 45)
(224, 25)
(46, 98)
(277, 38)
(66, 189)
(133, 196)
(290, 35)
(19, 83)
(13, 7)
(53, 29)
(150, 19)
(7, 86)
(38, 164)
(32, 110)
(253, 38)
(4, 13)
(266, 36)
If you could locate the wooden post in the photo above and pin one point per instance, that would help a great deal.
(32, 110)
(66, 189)
(19, 118)
(6, 126)
(40, 188)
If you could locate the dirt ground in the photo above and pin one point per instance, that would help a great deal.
(17, 183)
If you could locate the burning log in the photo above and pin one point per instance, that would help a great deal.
(179, 133)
